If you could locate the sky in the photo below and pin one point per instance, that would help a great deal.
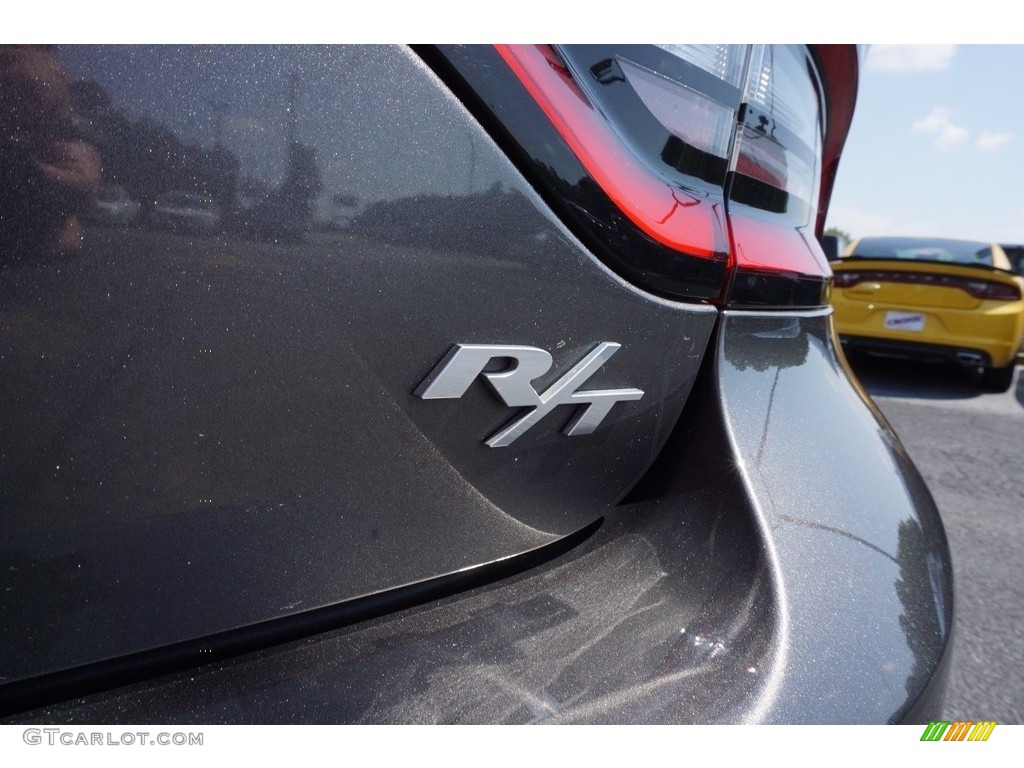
(937, 145)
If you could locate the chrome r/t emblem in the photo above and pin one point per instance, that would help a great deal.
(452, 376)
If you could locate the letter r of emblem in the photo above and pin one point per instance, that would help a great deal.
(465, 362)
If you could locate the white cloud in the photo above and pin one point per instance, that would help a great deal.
(939, 124)
(990, 141)
(909, 58)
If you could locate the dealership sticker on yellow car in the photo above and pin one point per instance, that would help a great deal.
(904, 321)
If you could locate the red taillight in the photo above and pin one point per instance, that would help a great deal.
(847, 279)
(769, 246)
(978, 288)
(714, 152)
(694, 171)
(682, 219)
(774, 193)
(985, 289)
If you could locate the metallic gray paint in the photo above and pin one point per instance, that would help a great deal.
(746, 580)
(216, 431)
(855, 548)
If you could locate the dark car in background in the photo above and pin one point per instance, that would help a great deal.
(556, 429)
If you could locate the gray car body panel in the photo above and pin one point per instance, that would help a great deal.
(218, 431)
(719, 593)
(220, 434)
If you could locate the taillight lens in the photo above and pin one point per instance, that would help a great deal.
(688, 115)
(727, 63)
(978, 288)
(775, 188)
(848, 279)
(589, 98)
(984, 289)
(699, 166)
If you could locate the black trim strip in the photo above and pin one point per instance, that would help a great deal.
(54, 687)
(753, 289)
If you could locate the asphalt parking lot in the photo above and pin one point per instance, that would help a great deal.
(969, 446)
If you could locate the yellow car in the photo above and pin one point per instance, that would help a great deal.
(931, 299)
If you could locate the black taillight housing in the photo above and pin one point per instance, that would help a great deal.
(698, 172)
